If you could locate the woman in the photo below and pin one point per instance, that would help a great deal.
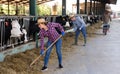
(48, 30)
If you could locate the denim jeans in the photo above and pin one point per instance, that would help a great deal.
(58, 45)
(77, 33)
(106, 26)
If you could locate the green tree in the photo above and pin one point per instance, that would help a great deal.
(59, 9)
(43, 9)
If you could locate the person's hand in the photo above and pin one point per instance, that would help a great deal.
(80, 28)
(63, 33)
(41, 51)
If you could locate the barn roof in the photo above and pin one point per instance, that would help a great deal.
(107, 1)
(22, 1)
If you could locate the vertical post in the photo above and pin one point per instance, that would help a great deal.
(8, 7)
(103, 7)
(32, 7)
(78, 7)
(63, 7)
(24, 8)
(16, 8)
(90, 6)
(94, 6)
(85, 6)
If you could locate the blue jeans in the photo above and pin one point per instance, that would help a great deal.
(106, 26)
(77, 33)
(58, 45)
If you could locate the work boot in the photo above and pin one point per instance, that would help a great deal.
(84, 44)
(60, 66)
(44, 68)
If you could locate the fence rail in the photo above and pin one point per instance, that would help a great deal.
(28, 22)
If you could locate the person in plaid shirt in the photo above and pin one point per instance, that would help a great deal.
(49, 30)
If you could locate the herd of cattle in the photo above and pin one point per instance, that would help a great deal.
(25, 29)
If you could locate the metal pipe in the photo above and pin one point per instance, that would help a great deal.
(94, 7)
(78, 7)
(63, 7)
(90, 6)
(85, 6)
(8, 7)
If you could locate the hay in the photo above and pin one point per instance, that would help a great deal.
(19, 63)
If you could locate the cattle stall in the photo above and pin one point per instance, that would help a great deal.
(28, 27)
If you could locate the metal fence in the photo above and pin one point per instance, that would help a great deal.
(25, 21)
(5, 40)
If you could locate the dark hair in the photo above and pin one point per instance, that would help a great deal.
(42, 18)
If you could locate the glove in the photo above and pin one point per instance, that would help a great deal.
(63, 33)
(80, 28)
(41, 51)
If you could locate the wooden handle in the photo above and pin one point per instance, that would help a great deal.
(45, 50)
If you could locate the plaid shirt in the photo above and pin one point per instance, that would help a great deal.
(51, 33)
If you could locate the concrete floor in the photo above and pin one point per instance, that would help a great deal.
(100, 56)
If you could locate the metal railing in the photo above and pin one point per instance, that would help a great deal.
(26, 23)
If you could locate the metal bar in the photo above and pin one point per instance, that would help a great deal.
(63, 7)
(85, 6)
(94, 7)
(78, 7)
(8, 7)
(1, 33)
(90, 6)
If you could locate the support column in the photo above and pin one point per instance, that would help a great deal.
(91, 6)
(85, 6)
(103, 7)
(24, 8)
(16, 9)
(94, 7)
(8, 7)
(32, 7)
(63, 7)
(78, 7)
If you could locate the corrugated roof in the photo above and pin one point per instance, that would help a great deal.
(43, 1)
(22, 1)
(107, 1)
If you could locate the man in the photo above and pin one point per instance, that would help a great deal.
(49, 30)
(107, 17)
(79, 26)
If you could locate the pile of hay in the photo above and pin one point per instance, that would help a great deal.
(19, 63)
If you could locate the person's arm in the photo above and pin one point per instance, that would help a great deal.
(74, 26)
(57, 25)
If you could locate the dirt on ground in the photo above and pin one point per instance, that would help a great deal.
(19, 63)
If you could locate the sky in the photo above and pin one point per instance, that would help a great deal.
(116, 7)
(68, 5)
(70, 2)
